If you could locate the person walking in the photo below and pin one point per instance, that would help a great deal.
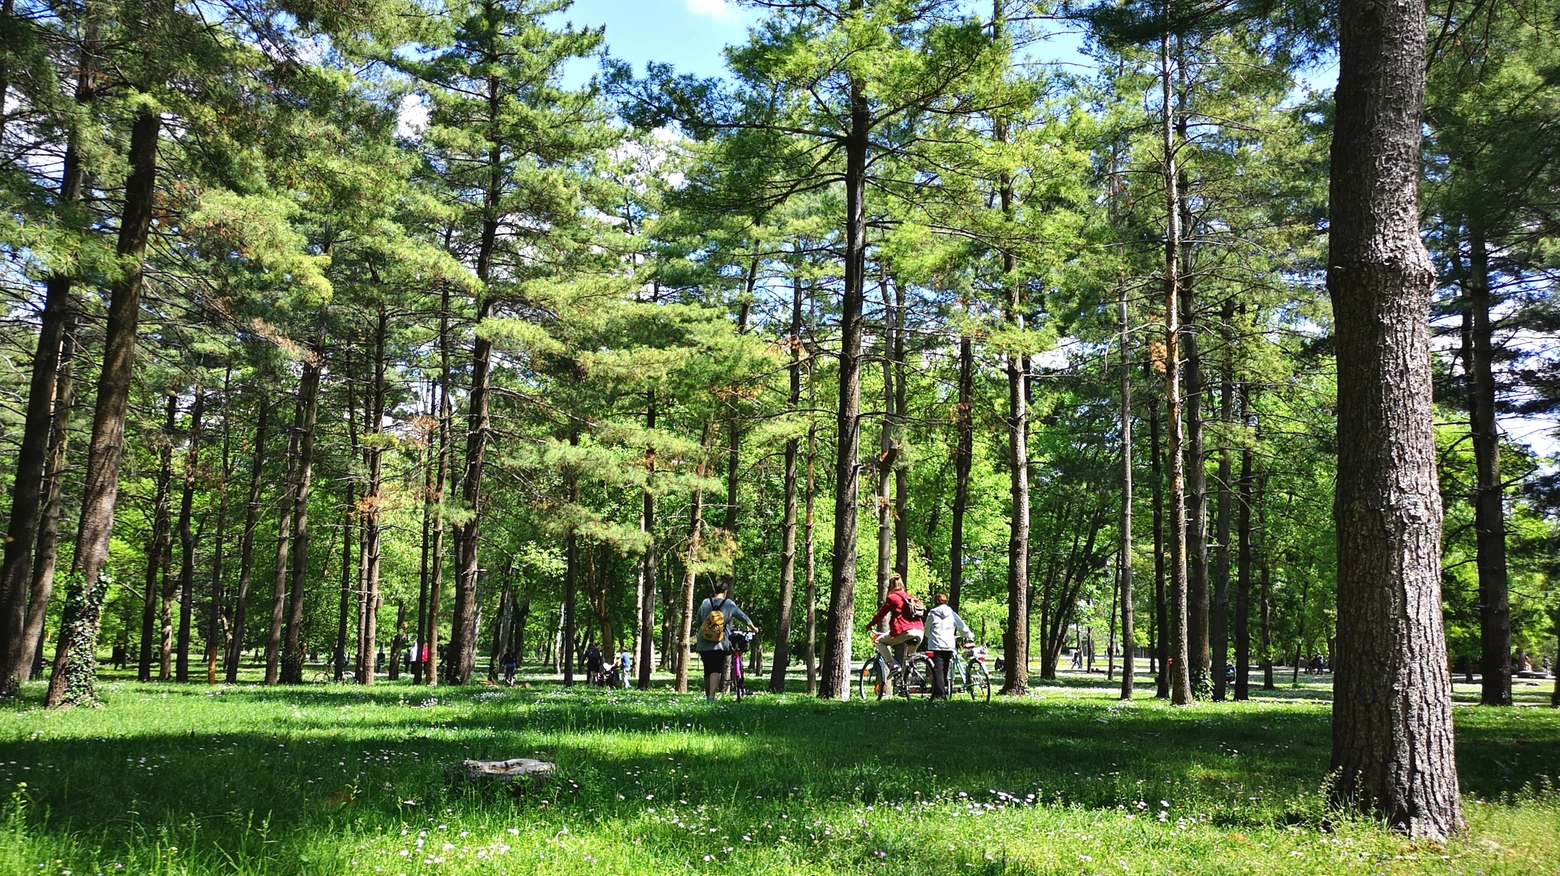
(944, 629)
(906, 622)
(712, 636)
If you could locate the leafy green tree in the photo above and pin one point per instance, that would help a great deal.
(506, 142)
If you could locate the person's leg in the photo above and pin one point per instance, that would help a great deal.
(714, 672)
(940, 674)
(883, 649)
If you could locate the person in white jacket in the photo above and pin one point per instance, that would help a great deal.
(944, 628)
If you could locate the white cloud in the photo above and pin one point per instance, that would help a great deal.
(720, 10)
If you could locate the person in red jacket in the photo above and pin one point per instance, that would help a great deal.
(904, 632)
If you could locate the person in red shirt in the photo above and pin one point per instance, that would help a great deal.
(904, 633)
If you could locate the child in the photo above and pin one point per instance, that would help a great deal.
(944, 628)
(625, 665)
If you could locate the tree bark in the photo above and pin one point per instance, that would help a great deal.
(1489, 514)
(835, 680)
(1219, 621)
(1198, 593)
(46, 558)
(246, 544)
(372, 502)
(1392, 750)
(309, 398)
(187, 545)
(1124, 564)
(963, 457)
(213, 631)
(647, 564)
(685, 600)
(159, 547)
(16, 572)
(902, 469)
(284, 534)
(75, 667)
(1015, 634)
(1161, 594)
(1244, 499)
(782, 656)
(1180, 676)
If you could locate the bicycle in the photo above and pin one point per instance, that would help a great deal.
(736, 683)
(328, 675)
(967, 673)
(913, 679)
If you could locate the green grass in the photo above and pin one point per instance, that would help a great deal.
(337, 779)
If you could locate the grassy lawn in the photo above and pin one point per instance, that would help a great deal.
(328, 779)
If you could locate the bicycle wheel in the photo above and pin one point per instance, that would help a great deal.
(738, 688)
(873, 683)
(977, 682)
(918, 676)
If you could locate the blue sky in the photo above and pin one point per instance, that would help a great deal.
(688, 34)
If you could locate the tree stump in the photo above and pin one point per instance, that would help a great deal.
(516, 775)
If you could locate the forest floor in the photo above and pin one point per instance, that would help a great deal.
(342, 779)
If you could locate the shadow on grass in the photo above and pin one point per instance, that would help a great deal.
(302, 756)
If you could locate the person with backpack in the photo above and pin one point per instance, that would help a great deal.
(711, 636)
(906, 622)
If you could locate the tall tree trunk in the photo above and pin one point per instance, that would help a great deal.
(1392, 749)
(345, 604)
(47, 554)
(350, 582)
(1124, 565)
(246, 544)
(1489, 514)
(835, 680)
(75, 667)
(901, 470)
(1161, 592)
(811, 597)
(1219, 622)
(883, 466)
(468, 537)
(685, 600)
(733, 422)
(1180, 677)
(1015, 635)
(309, 397)
(187, 544)
(159, 547)
(284, 535)
(1265, 583)
(372, 501)
(16, 658)
(571, 574)
(782, 656)
(1198, 601)
(1243, 560)
(963, 456)
(213, 630)
(647, 564)
(442, 473)
(468, 530)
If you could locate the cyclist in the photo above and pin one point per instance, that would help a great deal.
(944, 630)
(906, 628)
(711, 636)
